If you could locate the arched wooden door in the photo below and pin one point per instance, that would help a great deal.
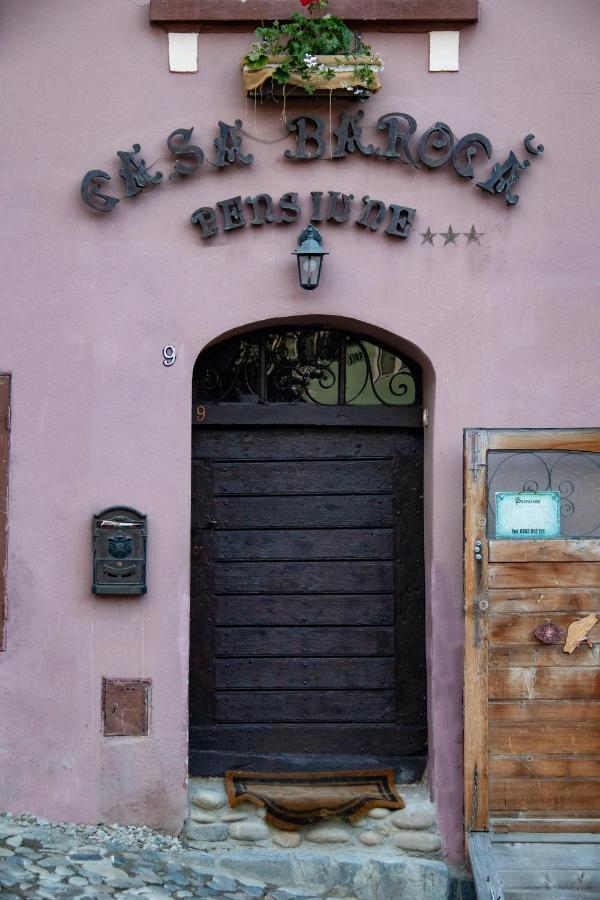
(307, 599)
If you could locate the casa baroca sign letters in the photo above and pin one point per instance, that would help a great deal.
(437, 147)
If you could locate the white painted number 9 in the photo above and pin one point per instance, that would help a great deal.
(169, 355)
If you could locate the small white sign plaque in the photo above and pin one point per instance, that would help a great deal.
(528, 515)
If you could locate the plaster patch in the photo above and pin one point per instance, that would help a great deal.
(444, 51)
(183, 51)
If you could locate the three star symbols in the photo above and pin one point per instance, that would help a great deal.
(451, 236)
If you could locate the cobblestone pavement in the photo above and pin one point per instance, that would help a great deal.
(39, 859)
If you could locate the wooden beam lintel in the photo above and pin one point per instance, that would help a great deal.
(375, 15)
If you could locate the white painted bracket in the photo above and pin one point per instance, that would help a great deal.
(183, 51)
(443, 51)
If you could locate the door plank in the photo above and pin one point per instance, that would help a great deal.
(306, 609)
(299, 706)
(302, 477)
(544, 600)
(306, 415)
(305, 544)
(545, 739)
(382, 739)
(545, 711)
(587, 550)
(547, 828)
(541, 575)
(552, 854)
(585, 439)
(315, 511)
(551, 894)
(304, 642)
(547, 794)
(513, 655)
(299, 577)
(487, 878)
(544, 684)
(544, 766)
(304, 674)
(518, 628)
(301, 443)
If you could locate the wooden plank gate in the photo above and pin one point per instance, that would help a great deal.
(531, 710)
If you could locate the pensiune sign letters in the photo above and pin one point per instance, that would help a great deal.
(436, 147)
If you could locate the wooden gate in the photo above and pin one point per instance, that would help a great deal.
(531, 711)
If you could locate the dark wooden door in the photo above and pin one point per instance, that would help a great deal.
(307, 618)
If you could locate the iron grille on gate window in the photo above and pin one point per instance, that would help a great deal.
(305, 365)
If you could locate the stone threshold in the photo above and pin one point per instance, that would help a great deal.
(384, 855)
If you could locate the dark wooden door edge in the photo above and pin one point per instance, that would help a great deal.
(378, 15)
(486, 876)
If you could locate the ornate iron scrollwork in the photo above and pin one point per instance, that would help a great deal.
(305, 365)
(574, 475)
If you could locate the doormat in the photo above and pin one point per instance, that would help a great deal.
(294, 799)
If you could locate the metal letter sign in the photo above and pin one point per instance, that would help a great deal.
(528, 515)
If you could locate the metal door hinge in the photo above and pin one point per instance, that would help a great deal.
(476, 452)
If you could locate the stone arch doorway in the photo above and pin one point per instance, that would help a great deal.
(307, 639)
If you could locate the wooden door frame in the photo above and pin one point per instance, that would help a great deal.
(477, 443)
(4, 453)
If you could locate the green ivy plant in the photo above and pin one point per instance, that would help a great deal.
(304, 38)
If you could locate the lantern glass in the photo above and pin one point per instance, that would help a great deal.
(310, 258)
(309, 269)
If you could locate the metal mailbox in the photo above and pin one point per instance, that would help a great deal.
(119, 551)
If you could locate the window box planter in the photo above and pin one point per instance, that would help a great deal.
(311, 55)
(341, 77)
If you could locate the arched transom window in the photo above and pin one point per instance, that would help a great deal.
(313, 365)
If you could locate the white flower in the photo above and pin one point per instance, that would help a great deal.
(310, 61)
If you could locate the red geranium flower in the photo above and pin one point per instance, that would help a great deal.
(306, 2)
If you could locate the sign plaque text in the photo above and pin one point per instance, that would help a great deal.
(527, 515)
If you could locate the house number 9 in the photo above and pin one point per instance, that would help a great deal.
(169, 355)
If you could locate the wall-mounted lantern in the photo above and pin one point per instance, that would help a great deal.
(310, 258)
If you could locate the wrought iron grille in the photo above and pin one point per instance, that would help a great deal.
(575, 475)
(305, 365)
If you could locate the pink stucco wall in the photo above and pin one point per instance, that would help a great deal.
(88, 301)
